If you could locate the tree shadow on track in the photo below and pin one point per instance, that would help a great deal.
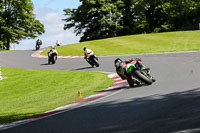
(174, 113)
(168, 113)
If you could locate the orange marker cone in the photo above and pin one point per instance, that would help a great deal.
(79, 94)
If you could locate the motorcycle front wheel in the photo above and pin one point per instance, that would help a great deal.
(96, 62)
(144, 78)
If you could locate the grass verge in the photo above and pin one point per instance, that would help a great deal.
(4, 50)
(27, 92)
(136, 44)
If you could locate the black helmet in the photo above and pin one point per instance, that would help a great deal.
(117, 62)
(84, 48)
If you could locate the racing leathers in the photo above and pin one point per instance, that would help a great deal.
(88, 53)
(38, 44)
(53, 51)
(58, 43)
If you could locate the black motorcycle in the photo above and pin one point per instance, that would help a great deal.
(52, 57)
(93, 61)
(38, 45)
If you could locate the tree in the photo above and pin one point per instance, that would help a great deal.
(128, 18)
(95, 19)
(18, 22)
(183, 13)
(167, 15)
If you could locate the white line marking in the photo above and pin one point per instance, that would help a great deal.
(118, 91)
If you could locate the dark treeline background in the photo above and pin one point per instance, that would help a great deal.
(17, 22)
(97, 19)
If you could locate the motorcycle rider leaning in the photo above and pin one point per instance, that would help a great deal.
(53, 51)
(39, 42)
(123, 69)
(88, 53)
(58, 43)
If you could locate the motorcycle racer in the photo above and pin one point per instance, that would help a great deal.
(38, 44)
(58, 43)
(87, 53)
(53, 51)
(52, 55)
(124, 68)
(90, 57)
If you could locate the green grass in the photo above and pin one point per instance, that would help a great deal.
(137, 44)
(4, 50)
(27, 92)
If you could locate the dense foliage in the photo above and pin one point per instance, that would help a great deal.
(17, 22)
(96, 19)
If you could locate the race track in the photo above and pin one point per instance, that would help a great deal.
(171, 104)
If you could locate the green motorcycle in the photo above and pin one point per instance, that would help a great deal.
(134, 72)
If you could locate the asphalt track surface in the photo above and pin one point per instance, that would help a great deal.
(171, 104)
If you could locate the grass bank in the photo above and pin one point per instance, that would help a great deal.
(137, 44)
(4, 50)
(27, 92)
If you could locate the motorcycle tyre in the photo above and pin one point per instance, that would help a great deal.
(153, 79)
(96, 63)
(37, 47)
(90, 63)
(53, 61)
(142, 77)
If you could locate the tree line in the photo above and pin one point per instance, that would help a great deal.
(17, 22)
(97, 19)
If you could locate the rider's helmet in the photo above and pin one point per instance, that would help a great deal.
(84, 48)
(39, 41)
(117, 62)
